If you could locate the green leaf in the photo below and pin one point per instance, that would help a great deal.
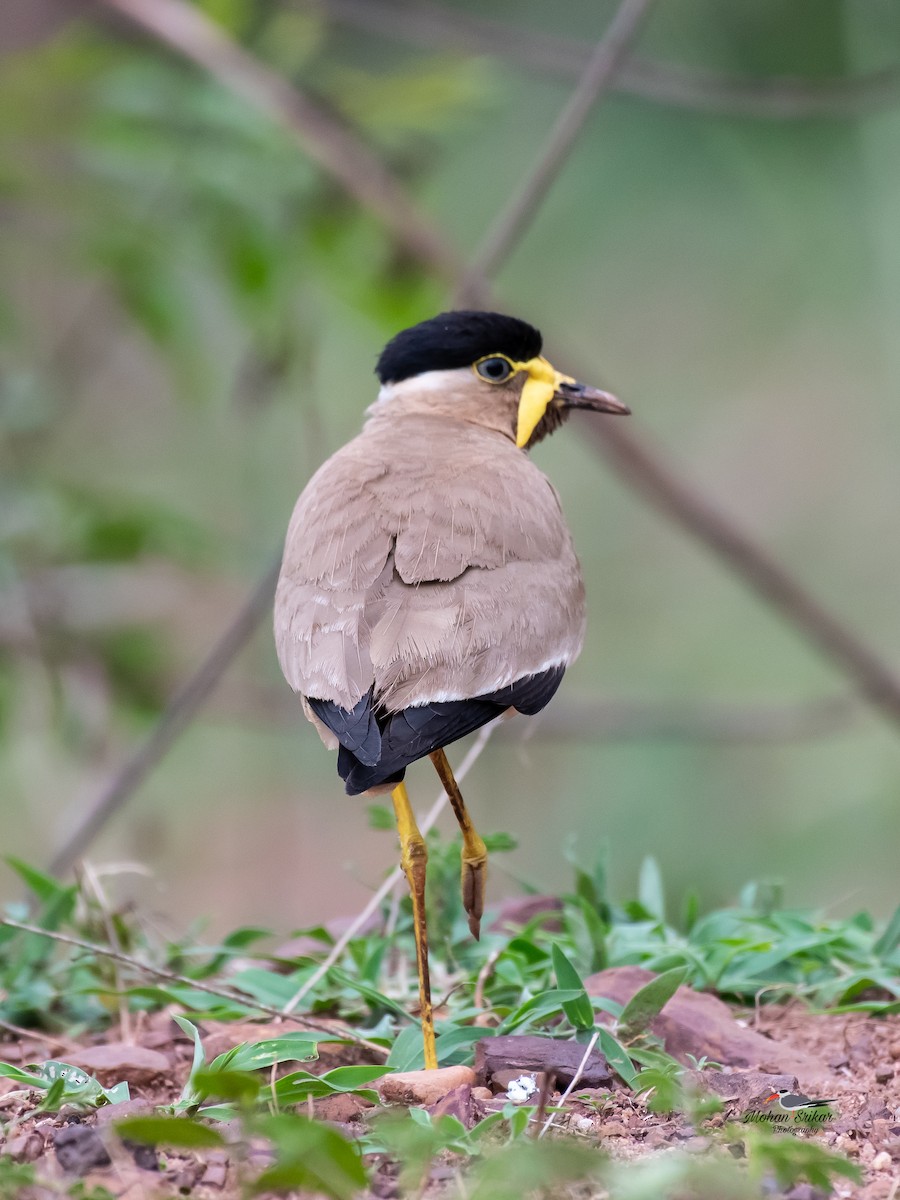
(310, 1156)
(181, 1132)
(380, 817)
(890, 938)
(290, 1047)
(45, 887)
(544, 1004)
(193, 1032)
(647, 1001)
(650, 888)
(580, 1011)
(296, 1087)
(25, 1077)
(527, 1167)
(407, 1053)
(239, 1086)
(616, 1055)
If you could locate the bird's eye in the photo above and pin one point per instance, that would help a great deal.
(494, 370)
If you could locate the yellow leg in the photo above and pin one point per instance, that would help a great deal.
(413, 857)
(474, 853)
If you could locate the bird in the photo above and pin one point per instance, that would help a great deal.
(795, 1102)
(429, 582)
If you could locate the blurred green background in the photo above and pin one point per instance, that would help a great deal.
(189, 320)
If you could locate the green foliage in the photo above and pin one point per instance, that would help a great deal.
(792, 1159)
(648, 1001)
(64, 1084)
(310, 1156)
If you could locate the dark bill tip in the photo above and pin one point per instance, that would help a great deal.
(579, 395)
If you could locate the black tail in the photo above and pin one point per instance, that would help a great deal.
(377, 747)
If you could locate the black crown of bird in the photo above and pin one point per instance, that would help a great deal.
(429, 583)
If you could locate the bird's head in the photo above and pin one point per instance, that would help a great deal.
(486, 369)
(777, 1094)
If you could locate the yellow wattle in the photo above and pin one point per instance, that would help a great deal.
(538, 390)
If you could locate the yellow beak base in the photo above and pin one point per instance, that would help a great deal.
(538, 390)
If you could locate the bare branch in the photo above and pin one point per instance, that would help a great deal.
(339, 151)
(234, 997)
(182, 709)
(597, 77)
(646, 471)
(434, 27)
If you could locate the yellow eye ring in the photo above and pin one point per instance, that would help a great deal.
(496, 368)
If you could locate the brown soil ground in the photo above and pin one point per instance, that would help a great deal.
(862, 1055)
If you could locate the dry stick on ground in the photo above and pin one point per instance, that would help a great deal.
(433, 27)
(571, 1088)
(182, 709)
(188, 31)
(233, 997)
(393, 879)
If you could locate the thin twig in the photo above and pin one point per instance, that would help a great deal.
(92, 881)
(486, 971)
(646, 471)
(185, 981)
(579, 1072)
(434, 27)
(182, 709)
(332, 144)
(596, 79)
(392, 879)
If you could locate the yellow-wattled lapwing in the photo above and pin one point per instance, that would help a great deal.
(429, 582)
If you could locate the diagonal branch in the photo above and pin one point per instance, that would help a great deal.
(197, 985)
(596, 79)
(646, 471)
(179, 713)
(336, 148)
(432, 27)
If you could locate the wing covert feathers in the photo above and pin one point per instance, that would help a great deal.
(423, 566)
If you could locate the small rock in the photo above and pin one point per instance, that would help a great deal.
(698, 1024)
(115, 1061)
(78, 1148)
(27, 1148)
(423, 1087)
(528, 1052)
(805, 1191)
(341, 1109)
(482, 1093)
(884, 1073)
(138, 1107)
(867, 1152)
(216, 1173)
(882, 1161)
(741, 1086)
(457, 1103)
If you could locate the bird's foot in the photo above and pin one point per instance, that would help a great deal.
(473, 880)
